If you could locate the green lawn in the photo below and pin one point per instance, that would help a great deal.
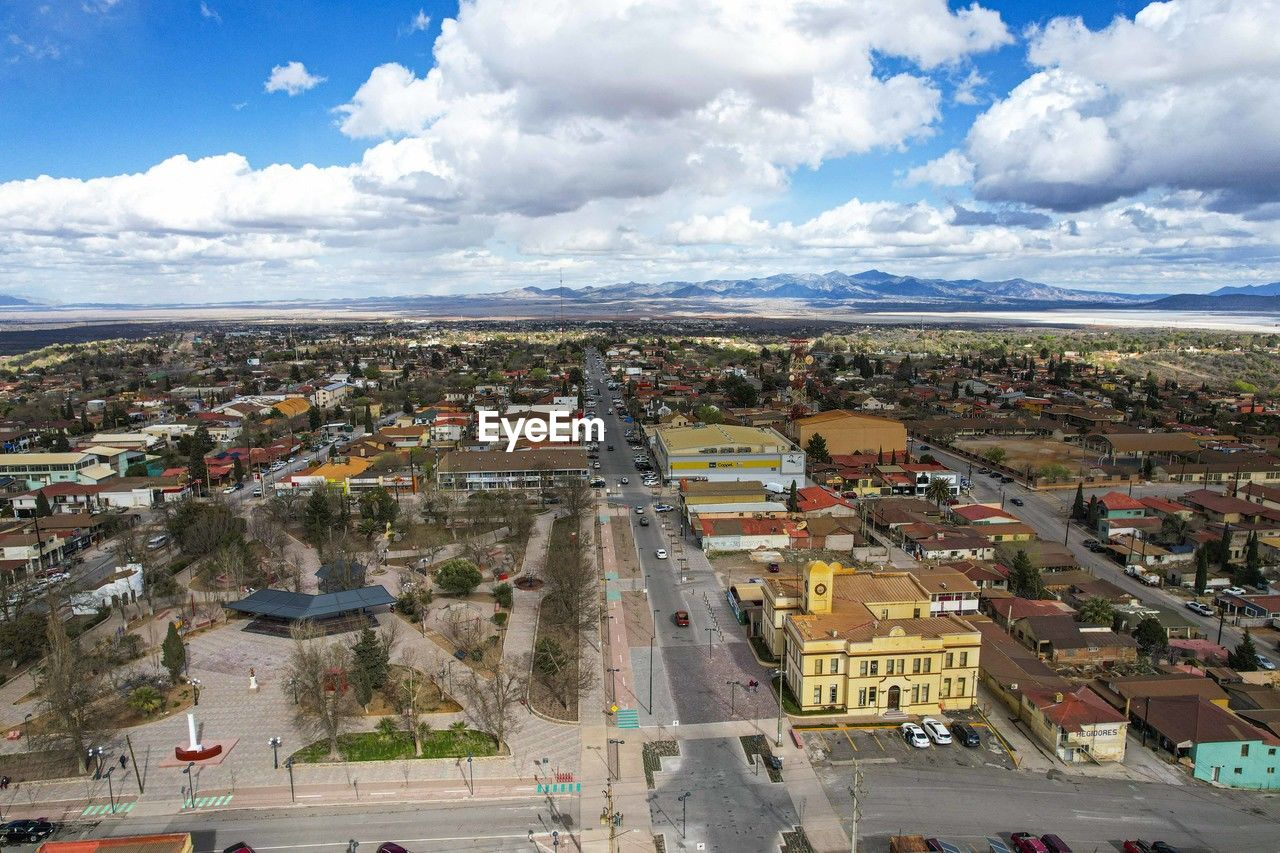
(373, 746)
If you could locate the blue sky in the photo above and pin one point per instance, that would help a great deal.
(698, 139)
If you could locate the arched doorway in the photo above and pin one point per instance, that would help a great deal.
(895, 697)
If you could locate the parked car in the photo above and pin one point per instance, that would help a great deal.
(623, 481)
(391, 847)
(936, 731)
(1025, 842)
(1264, 663)
(1054, 844)
(1235, 590)
(27, 831)
(966, 734)
(681, 618)
(1163, 847)
(1016, 501)
(914, 735)
(155, 543)
(1136, 846)
(663, 508)
(774, 568)
(1006, 479)
(660, 553)
(238, 847)
(1200, 607)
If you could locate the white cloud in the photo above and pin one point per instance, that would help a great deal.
(952, 169)
(1185, 95)
(419, 23)
(207, 11)
(292, 78)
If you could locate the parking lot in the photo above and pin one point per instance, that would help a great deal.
(839, 746)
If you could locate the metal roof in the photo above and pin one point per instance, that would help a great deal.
(280, 604)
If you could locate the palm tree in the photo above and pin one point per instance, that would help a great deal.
(1097, 611)
(939, 491)
(146, 699)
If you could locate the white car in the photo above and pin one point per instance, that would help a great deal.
(914, 735)
(623, 480)
(1235, 590)
(663, 508)
(661, 553)
(639, 510)
(936, 731)
(595, 465)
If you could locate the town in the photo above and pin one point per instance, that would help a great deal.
(808, 585)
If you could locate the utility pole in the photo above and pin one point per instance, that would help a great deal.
(782, 682)
(856, 791)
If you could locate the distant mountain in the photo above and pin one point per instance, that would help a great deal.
(867, 288)
(1272, 289)
(6, 299)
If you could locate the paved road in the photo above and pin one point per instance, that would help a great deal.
(1047, 512)
(1089, 814)
(487, 826)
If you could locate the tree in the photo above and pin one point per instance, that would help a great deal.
(1094, 514)
(197, 471)
(411, 697)
(1024, 577)
(370, 666)
(939, 491)
(317, 516)
(502, 594)
(368, 420)
(378, 505)
(1202, 569)
(817, 449)
(68, 686)
(1077, 506)
(1224, 548)
(1097, 611)
(317, 670)
(1053, 472)
(1251, 574)
(43, 510)
(313, 418)
(994, 455)
(146, 699)
(458, 576)
(173, 654)
(1173, 529)
(1151, 636)
(1244, 658)
(493, 704)
(793, 499)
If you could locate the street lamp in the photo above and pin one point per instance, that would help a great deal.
(191, 783)
(288, 765)
(613, 678)
(782, 682)
(617, 761)
(274, 743)
(95, 755)
(111, 792)
(195, 685)
(26, 730)
(684, 812)
(733, 692)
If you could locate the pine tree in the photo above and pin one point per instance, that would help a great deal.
(1094, 514)
(893, 457)
(793, 500)
(1245, 656)
(1151, 636)
(1024, 577)
(1202, 570)
(313, 418)
(237, 469)
(43, 510)
(1078, 510)
(880, 456)
(368, 419)
(173, 655)
(197, 471)
(1252, 574)
(317, 515)
(370, 666)
(1224, 548)
(817, 449)
(408, 406)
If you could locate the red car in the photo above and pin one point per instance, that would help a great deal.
(391, 847)
(1055, 844)
(1136, 847)
(1025, 842)
(681, 618)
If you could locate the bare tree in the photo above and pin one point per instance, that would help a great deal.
(68, 686)
(463, 628)
(412, 696)
(493, 704)
(268, 533)
(317, 669)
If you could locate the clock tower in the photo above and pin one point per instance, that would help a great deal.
(819, 578)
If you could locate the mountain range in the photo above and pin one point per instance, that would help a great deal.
(795, 294)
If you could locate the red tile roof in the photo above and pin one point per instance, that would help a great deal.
(1114, 501)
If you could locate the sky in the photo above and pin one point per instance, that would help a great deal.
(177, 151)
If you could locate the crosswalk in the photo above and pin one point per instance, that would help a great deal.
(559, 788)
(628, 718)
(205, 802)
(97, 810)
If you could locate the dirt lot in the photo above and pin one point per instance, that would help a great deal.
(624, 547)
(1034, 452)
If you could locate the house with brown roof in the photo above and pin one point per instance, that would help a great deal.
(1123, 691)
(1077, 725)
(1221, 747)
(1063, 640)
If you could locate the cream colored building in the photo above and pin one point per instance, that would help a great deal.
(848, 432)
(722, 452)
(865, 643)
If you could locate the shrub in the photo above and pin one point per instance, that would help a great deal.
(146, 699)
(499, 619)
(458, 576)
(503, 595)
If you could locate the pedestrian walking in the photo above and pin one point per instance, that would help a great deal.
(124, 762)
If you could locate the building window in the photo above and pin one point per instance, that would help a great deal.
(817, 667)
(862, 667)
(862, 697)
(915, 613)
(946, 687)
(884, 613)
(835, 693)
(1239, 771)
(1244, 750)
(835, 666)
(964, 659)
(888, 667)
(924, 693)
(871, 696)
(949, 661)
(915, 666)
(928, 665)
(960, 687)
(915, 694)
(817, 695)
(875, 667)
(902, 666)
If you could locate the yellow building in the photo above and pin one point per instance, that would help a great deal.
(865, 643)
(720, 452)
(851, 432)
